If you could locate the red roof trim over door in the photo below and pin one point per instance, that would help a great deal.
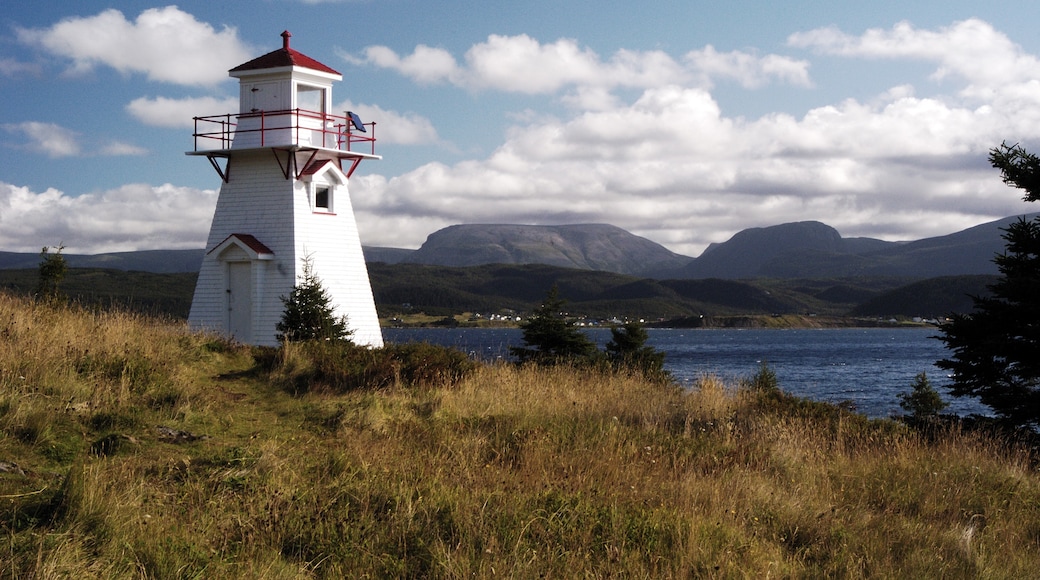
(252, 245)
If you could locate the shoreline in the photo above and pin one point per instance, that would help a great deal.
(751, 321)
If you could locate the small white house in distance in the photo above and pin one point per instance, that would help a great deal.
(285, 161)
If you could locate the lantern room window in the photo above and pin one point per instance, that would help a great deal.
(310, 98)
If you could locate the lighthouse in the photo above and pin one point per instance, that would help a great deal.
(285, 162)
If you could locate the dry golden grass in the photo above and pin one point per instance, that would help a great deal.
(505, 472)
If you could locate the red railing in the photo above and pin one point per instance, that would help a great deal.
(274, 128)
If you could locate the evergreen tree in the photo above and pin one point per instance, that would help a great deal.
(923, 401)
(551, 338)
(628, 349)
(996, 348)
(308, 312)
(52, 271)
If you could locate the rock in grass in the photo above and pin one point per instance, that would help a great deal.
(171, 435)
(8, 467)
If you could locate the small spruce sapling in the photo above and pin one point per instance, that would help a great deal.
(309, 314)
(923, 401)
(627, 349)
(764, 380)
(551, 338)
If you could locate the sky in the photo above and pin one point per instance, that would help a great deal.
(683, 122)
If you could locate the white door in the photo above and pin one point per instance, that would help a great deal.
(267, 97)
(240, 300)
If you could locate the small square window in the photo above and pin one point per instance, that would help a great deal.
(322, 199)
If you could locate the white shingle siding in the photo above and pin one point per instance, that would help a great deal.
(259, 200)
(332, 242)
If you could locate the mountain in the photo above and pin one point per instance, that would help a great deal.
(808, 249)
(970, 251)
(801, 250)
(386, 255)
(815, 250)
(585, 247)
(155, 261)
(791, 250)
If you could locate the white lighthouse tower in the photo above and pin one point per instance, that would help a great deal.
(285, 161)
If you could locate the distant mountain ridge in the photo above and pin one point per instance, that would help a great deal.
(773, 252)
(807, 249)
(583, 247)
(155, 261)
(816, 250)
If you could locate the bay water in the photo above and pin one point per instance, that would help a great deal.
(867, 367)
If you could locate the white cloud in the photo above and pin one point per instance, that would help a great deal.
(671, 167)
(52, 140)
(591, 99)
(746, 68)
(132, 217)
(10, 67)
(178, 113)
(119, 149)
(426, 65)
(165, 44)
(971, 50)
(56, 141)
(522, 64)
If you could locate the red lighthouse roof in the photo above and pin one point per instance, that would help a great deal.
(284, 57)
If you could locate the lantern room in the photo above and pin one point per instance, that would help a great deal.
(284, 79)
(285, 103)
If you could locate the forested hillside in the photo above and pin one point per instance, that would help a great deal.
(402, 289)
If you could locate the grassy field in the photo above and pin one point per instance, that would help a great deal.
(133, 448)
